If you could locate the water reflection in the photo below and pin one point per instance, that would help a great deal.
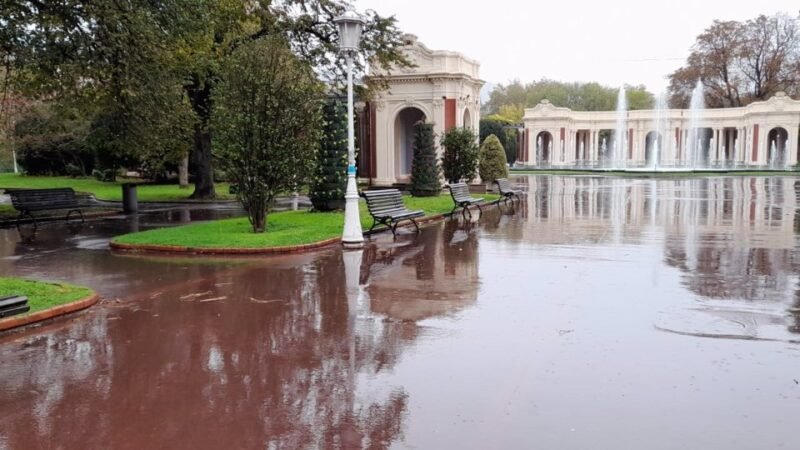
(732, 238)
(265, 355)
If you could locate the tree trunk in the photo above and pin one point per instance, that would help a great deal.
(258, 218)
(183, 172)
(204, 169)
(199, 93)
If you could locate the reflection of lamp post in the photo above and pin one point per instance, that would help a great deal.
(350, 26)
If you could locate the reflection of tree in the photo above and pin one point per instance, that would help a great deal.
(268, 366)
(450, 281)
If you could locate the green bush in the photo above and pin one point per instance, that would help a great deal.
(266, 123)
(330, 176)
(461, 153)
(425, 170)
(52, 142)
(500, 127)
(493, 163)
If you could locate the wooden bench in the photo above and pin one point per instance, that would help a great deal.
(386, 207)
(13, 305)
(28, 201)
(462, 199)
(506, 191)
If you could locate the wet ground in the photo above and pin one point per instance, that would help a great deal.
(602, 314)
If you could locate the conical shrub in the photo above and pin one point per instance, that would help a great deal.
(425, 170)
(493, 163)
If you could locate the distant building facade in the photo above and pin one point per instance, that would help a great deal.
(762, 134)
(443, 88)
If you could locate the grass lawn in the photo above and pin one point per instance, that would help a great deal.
(283, 228)
(103, 190)
(42, 295)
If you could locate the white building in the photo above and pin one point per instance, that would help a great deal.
(762, 134)
(443, 88)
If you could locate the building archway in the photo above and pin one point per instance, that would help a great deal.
(467, 119)
(544, 148)
(404, 139)
(777, 147)
(605, 141)
(653, 148)
(698, 147)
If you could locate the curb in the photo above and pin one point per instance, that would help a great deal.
(175, 249)
(50, 313)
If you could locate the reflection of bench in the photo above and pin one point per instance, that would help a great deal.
(28, 201)
(505, 189)
(11, 306)
(386, 207)
(462, 198)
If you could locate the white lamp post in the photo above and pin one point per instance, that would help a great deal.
(350, 26)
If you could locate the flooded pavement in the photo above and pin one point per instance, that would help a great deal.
(603, 313)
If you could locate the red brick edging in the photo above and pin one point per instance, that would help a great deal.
(177, 249)
(56, 311)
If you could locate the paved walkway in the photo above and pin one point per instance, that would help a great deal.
(605, 313)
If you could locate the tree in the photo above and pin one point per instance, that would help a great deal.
(493, 163)
(110, 57)
(309, 27)
(741, 62)
(509, 100)
(330, 176)
(425, 170)
(461, 153)
(111, 61)
(506, 132)
(267, 121)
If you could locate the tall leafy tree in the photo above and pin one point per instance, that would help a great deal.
(112, 60)
(119, 57)
(267, 119)
(306, 24)
(741, 62)
(508, 100)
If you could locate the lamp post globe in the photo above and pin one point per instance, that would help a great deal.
(350, 26)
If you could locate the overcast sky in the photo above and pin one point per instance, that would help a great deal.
(612, 41)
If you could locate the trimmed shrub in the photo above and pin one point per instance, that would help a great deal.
(267, 124)
(461, 153)
(425, 170)
(330, 176)
(493, 163)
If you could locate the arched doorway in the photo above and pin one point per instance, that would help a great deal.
(404, 139)
(544, 148)
(467, 119)
(698, 147)
(605, 142)
(777, 147)
(653, 148)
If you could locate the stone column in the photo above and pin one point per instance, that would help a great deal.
(791, 155)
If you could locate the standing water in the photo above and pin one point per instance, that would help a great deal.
(695, 145)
